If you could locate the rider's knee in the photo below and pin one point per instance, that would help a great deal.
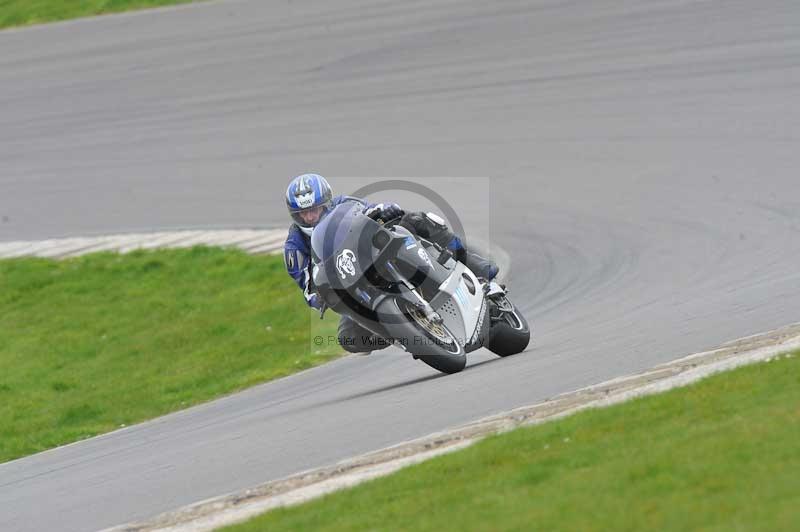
(349, 344)
(363, 343)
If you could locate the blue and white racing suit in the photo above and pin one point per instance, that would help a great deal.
(297, 255)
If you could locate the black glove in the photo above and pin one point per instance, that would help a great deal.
(384, 211)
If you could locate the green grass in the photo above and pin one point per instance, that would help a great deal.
(723, 454)
(92, 343)
(26, 12)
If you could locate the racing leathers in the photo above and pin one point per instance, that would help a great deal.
(351, 336)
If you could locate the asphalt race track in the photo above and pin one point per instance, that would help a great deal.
(637, 160)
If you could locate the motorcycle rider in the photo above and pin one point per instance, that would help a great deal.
(309, 198)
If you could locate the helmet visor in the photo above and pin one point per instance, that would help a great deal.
(311, 216)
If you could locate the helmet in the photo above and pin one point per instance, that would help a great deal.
(308, 195)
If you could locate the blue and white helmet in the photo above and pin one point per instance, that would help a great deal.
(308, 199)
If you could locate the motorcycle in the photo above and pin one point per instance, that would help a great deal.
(411, 291)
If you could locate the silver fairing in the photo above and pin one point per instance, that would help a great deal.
(462, 306)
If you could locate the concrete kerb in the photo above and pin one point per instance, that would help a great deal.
(264, 240)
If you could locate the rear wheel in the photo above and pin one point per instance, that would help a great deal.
(509, 333)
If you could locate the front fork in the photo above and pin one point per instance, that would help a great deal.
(412, 296)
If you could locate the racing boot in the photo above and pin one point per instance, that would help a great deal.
(480, 266)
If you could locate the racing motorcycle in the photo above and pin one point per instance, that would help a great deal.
(410, 291)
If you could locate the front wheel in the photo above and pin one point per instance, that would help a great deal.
(509, 333)
(443, 351)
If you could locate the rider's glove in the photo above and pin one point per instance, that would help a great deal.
(384, 211)
(315, 301)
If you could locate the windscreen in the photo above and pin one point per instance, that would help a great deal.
(330, 234)
(342, 244)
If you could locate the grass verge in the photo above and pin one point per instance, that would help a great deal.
(27, 12)
(722, 454)
(97, 342)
